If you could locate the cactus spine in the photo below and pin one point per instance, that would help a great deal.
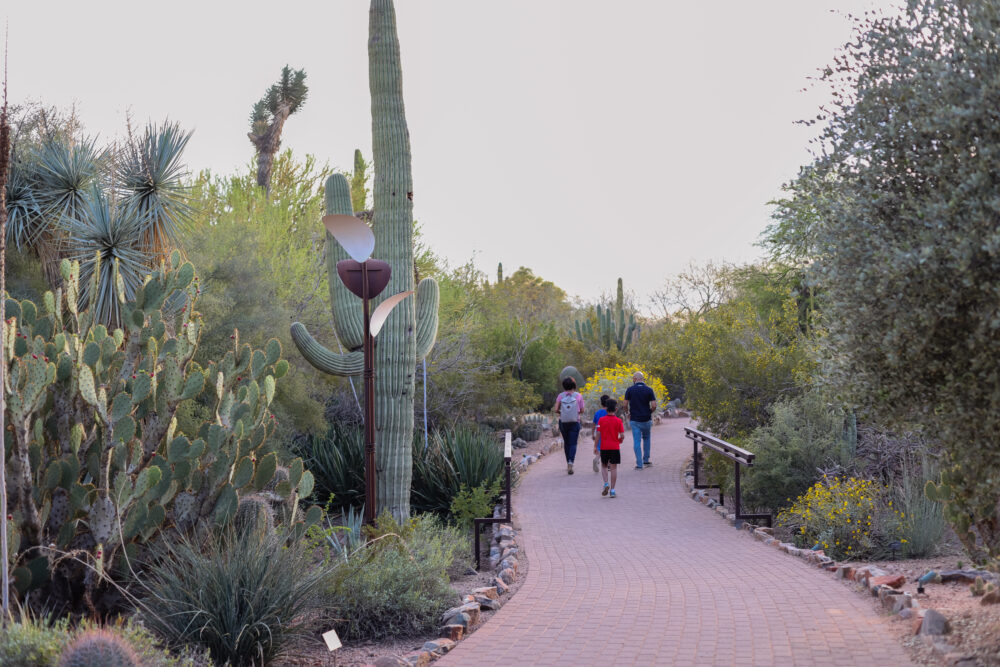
(613, 329)
(409, 333)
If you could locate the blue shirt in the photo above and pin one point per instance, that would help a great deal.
(638, 397)
(600, 413)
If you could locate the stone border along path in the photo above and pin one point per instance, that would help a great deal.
(649, 578)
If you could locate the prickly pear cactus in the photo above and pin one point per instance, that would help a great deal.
(99, 648)
(97, 466)
(409, 333)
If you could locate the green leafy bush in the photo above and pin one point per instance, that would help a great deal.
(241, 598)
(804, 436)
(473, 503)
(398, 583)
(454, 457)
(31, 642)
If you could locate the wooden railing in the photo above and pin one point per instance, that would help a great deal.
(739, 457)
(477, 524)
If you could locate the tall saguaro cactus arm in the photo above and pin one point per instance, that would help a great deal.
(347, 318)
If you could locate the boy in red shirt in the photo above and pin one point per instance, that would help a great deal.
(611, 433)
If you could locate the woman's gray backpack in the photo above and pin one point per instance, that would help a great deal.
(568, 410)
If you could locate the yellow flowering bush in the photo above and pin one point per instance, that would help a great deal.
(614, 381)
(848, 518)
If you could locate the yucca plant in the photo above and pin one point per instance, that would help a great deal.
(150, 172)
(128, 204)
(454, 457)
(243, 598)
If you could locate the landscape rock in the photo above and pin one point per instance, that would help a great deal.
(418, 658)
(993, 597)
(487, 604)
(439, 646)
(906, 614)
(934, 624)
(390, 661)
(892, 581)
(452, 632)
(518, 443)
(487, 591)
(509, 564)
(507, 576)
(501, 586)
(460, 618)
(966, 576)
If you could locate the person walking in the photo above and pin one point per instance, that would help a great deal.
(597, 440)
(569, 405)
(639, 407)
(611, 435)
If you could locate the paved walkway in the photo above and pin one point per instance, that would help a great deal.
(653, 578)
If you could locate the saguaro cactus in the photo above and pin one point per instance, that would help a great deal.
(409, 333)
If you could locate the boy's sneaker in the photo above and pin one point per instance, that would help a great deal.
(613, 493)
(597, 460)
(569, 468)
(638, 467)
(605, 491)
(647, 463)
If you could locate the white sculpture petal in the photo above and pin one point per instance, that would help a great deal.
(383, 309)
(353, 234)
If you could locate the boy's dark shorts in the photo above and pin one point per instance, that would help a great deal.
(609, 456)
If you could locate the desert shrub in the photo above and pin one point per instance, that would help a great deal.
(847, 518)
(337, 461)
(33, 642)
(454, 457)
(924, 523)
(474, 502)
(242, 599)
(398, 583)
(804, 436)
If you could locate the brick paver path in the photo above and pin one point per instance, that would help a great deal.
(653, 578)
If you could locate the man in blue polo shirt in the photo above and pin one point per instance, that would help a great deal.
(640, 402)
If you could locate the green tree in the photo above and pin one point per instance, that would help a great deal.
(907, 238)
(267, 119)
(260, 270)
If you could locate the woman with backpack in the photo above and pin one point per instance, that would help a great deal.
(569, 405)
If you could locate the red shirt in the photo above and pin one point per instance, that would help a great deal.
(609, 427)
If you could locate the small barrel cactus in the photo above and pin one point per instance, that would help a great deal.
(254, 515)
(99, 648)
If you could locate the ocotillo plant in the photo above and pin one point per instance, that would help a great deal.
(611, 326)
(409, 333)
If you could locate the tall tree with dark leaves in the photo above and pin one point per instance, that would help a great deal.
(268, 118)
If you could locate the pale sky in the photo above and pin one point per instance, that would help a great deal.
(586, 140)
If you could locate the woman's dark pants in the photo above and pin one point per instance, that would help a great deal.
(570, 433)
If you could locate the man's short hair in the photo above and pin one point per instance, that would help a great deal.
(637, 376)
(611, 405)
(569, 383)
